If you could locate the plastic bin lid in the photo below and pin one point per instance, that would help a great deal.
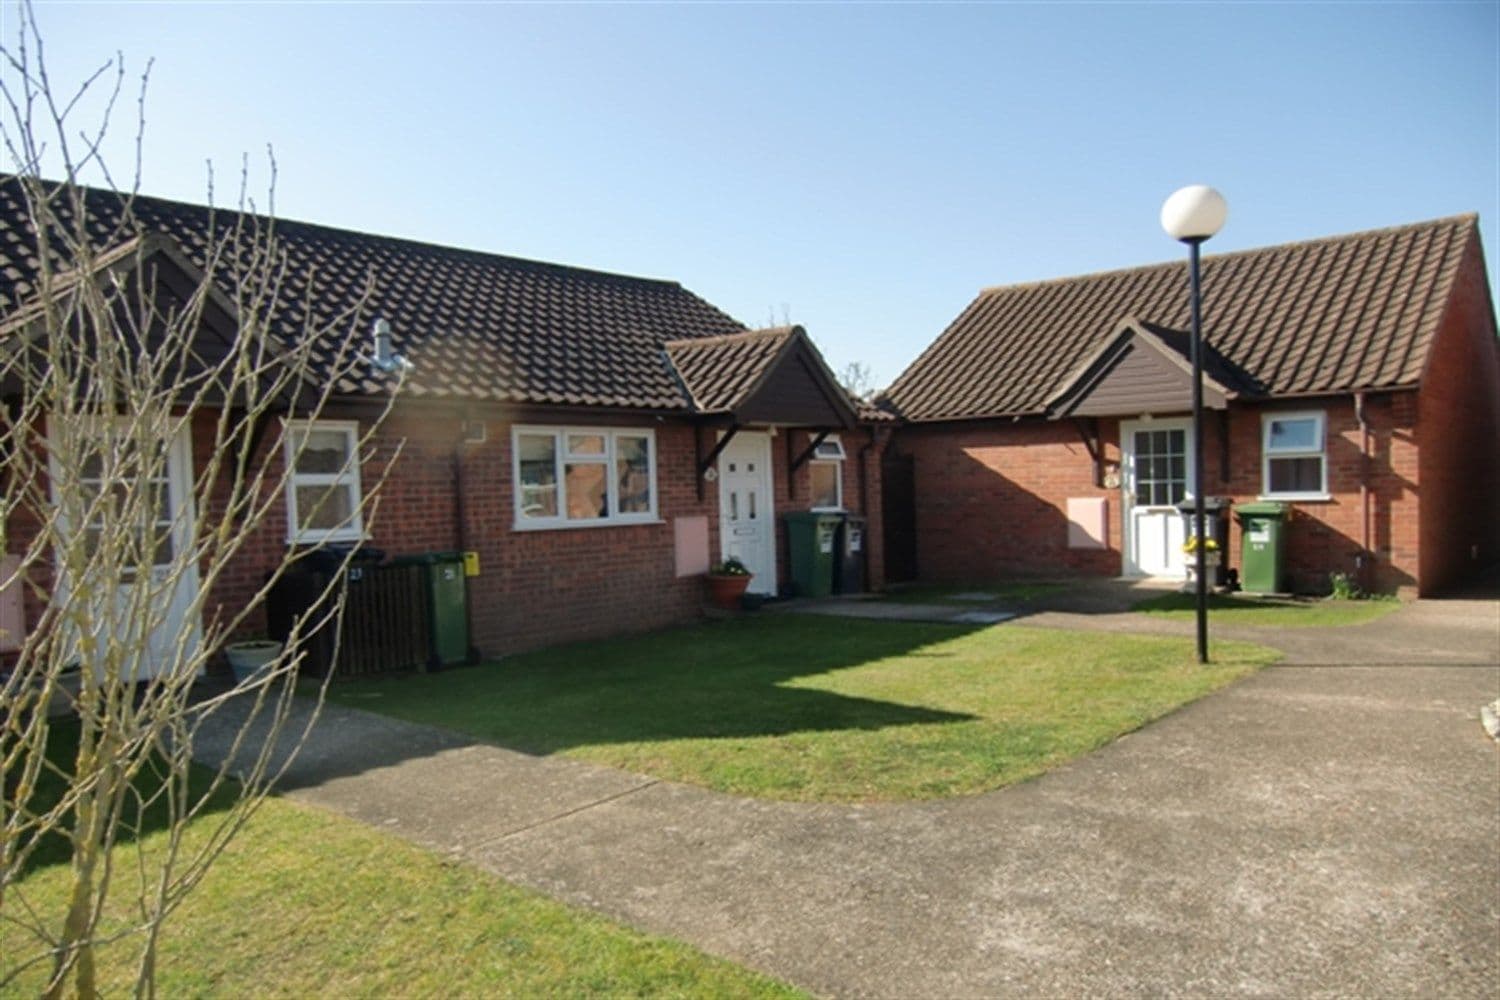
(1262, 508)
(812, 516)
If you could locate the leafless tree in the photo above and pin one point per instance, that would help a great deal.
(101, 370)
(856, 380)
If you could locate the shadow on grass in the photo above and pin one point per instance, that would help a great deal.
(135, 822)
(719, 680)
(978, 594)
(1224, 602)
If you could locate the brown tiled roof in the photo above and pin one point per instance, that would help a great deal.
(754, 376)
(719, 372)
(475, 325)
(1325, 316)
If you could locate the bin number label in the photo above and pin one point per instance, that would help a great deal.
(1260, 532)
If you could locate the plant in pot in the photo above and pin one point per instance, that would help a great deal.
(249, 657)
(727, 581)
(1211, 559)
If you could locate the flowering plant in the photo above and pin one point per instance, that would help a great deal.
(729, 567)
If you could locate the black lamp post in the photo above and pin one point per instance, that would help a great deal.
(1192, 215)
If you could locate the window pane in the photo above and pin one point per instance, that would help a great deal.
(586, 444)
(586, 486)
(538, 463)
(1296, 475)
(633, 473)
(323, 453)
(92, 466)
(825, 484)
(324, 508)
(163, 538)
(1296, 434)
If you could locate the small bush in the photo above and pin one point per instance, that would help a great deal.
(1343, 588)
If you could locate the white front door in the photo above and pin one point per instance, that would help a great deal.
(747, 513)
(1155, 457)
(168, 594)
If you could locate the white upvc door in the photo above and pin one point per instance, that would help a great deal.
(173, 585)
(1156, 455)
(747, 512)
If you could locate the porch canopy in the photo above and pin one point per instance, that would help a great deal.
(771, 377)
(1144, 367)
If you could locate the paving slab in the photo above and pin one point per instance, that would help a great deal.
(1315, 829)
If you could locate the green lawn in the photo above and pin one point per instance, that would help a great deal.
(1272, 612)
(817, 708)
(304, 903)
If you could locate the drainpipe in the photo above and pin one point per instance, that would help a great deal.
(461, 532)
(864, 479)
(1366, 557)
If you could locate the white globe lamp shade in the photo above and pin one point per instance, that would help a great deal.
(1194, 213)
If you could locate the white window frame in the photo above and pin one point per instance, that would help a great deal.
(294, 436)
(561, 458)
(1267, 455)
(830, 452)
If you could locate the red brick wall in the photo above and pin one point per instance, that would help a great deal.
(1329, 536)
(535, 587)
(544, 587)
(412, 512)
(991, 497)
(1459, 425)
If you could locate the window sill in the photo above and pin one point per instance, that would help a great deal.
(338, 538)
(520, 526)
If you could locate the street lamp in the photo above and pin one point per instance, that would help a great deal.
(1192, 215)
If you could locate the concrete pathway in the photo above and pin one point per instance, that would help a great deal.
(1315, 829)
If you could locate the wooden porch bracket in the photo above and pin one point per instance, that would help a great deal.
(1088, 431)
(706, 462)
(257, 435)
(793, 464)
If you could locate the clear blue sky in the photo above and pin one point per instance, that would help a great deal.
(863, 169)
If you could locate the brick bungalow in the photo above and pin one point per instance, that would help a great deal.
(597, 439)
(1356, 378)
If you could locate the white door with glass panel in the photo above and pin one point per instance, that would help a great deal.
(1155, 455)
(113, 482)
(747, 521)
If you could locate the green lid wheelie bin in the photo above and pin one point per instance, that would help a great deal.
(1262, 546)
(810, 538)
(447, 605)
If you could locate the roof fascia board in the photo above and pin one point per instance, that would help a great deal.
(1087, 376)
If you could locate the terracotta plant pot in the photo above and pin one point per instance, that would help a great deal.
(725, 591)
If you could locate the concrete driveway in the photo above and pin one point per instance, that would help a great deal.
(1330, 827)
